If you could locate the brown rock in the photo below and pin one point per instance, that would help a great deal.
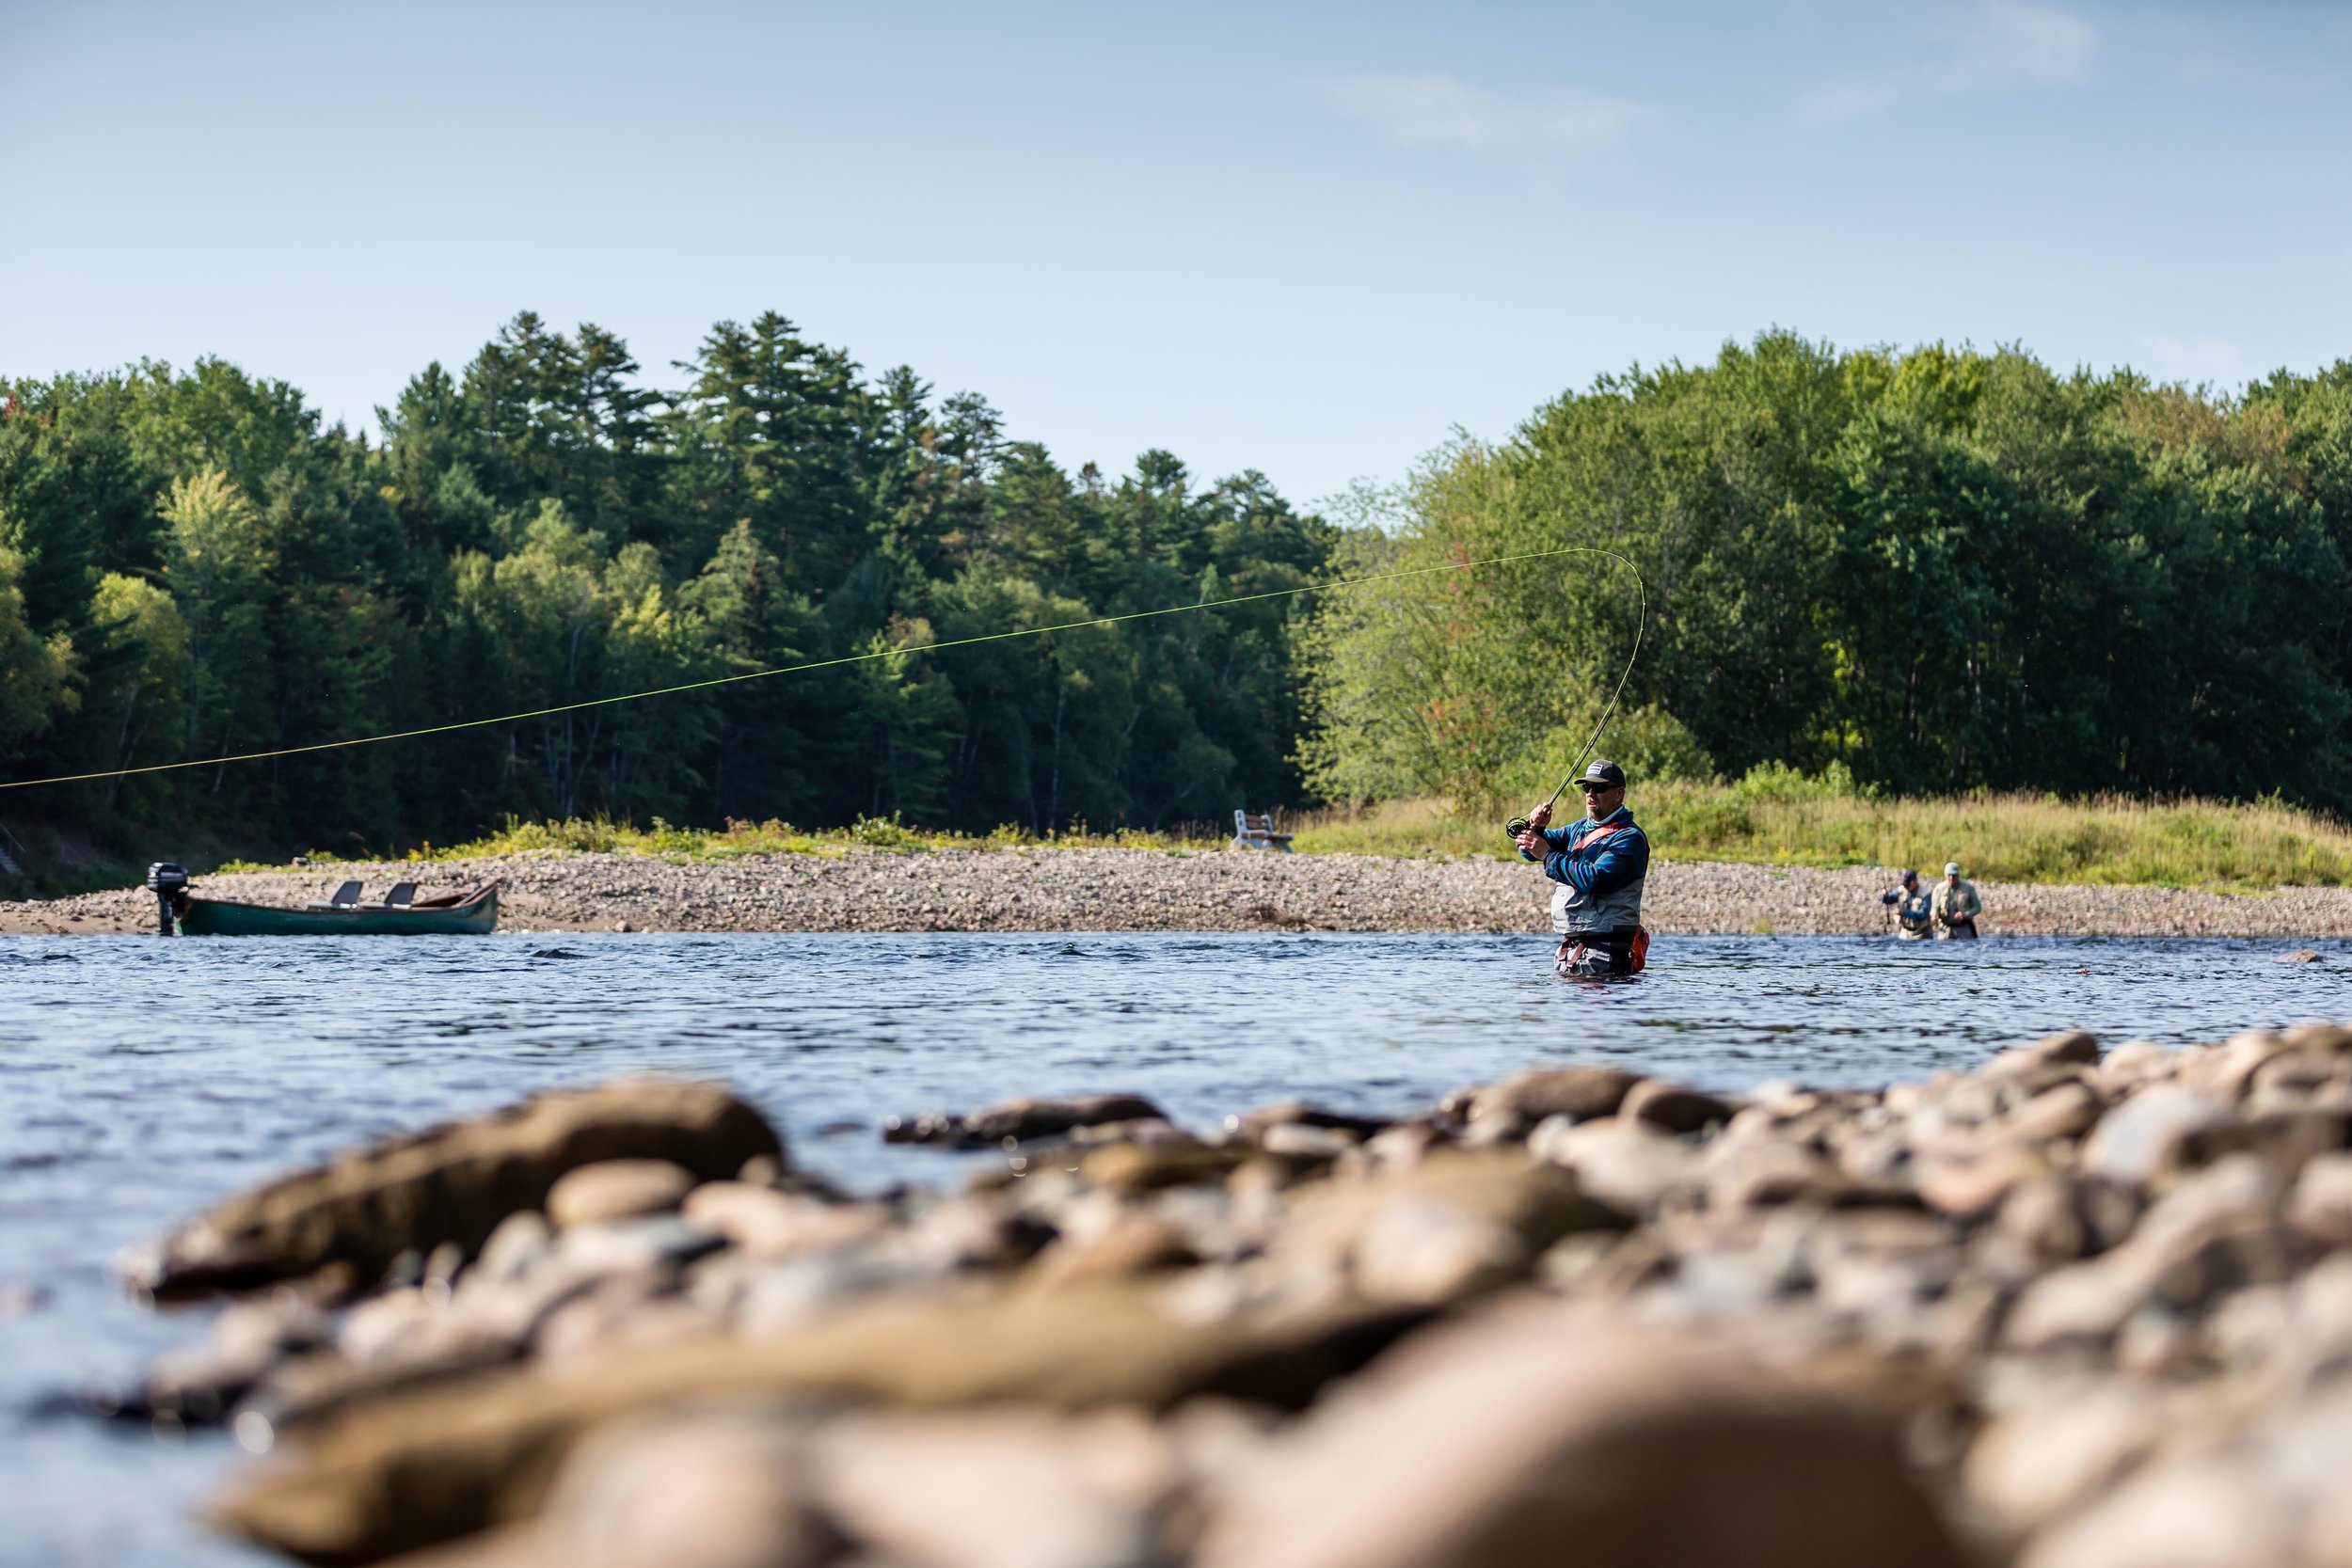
(2133, 1063)
(2055, 1216)
(1626, 1164)
(1673, 1108)
(2321, 1207)
(2140, 1139)
(2191, 1513)
(1133, 1245)
(1002, 1489)
(1300, 1141)
(762, 1223)
(450, 1185)
(710, 1490)
(2030, 1465)
(1458, 1222)
(1970, 1186)
(1021, 1119)
(2065, 1111)
(1297, 1113)
(1148, 1167)
(2295, 1076)
(2282, 1140)
(1764, 1171)
(1579, 1093)
(392, 1475)
(611, 1190)
(2230, 1069)
(1569, 1435)
(2071, 1047)
(2213, 1232)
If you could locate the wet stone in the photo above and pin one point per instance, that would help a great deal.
(1579, 1093)
(612, 1190)
(1019, 1121)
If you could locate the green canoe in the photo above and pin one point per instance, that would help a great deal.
(459, 914)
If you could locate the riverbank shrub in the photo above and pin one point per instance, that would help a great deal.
(2011, 838)
(1943, 571)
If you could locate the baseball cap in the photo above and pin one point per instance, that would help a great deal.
(1951, 868)
(1602, 774)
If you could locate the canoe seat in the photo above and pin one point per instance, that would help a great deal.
(346, 897)
(400, 896)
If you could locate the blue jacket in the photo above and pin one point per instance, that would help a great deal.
(1594, 865)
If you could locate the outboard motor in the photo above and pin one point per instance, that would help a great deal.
(171, 885)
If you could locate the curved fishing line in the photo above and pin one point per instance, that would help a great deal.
(1641, 625)
(835, 663)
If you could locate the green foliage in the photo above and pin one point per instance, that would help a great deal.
(602, 835)
(1943, 571)
(36, 673)
(196, 567)
(1874, 577)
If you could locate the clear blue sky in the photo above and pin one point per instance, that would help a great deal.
(1308, 240)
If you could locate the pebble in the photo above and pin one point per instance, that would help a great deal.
(613, 1190)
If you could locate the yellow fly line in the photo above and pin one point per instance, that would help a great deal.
(862, 659)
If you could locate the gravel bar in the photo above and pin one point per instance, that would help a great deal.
(1149, 890)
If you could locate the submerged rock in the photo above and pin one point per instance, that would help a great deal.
(1019, 1121)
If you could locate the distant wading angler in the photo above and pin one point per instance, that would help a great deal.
(1956, 906)
(1601, 864)
(1911, 903)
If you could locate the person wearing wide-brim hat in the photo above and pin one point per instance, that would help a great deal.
(1955, 906)
(1600, 862)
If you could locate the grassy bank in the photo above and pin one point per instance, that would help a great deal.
(601, 835)
(1789, 821)
(1771, 817)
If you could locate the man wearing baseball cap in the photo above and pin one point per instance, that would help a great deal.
(1956, 906)
(1600, 862)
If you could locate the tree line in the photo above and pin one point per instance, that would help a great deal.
(1934, 571)
(1931, 571)
(193, 566)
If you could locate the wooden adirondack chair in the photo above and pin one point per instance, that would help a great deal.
(1254, 832)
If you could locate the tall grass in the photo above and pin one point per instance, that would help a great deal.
(601, 835)
(1786, 819)
(1772, 817)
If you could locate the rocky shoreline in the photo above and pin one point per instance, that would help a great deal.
(2077, 1308)
(1143, 890)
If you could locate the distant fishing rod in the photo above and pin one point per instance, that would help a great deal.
(1448, 568)
(1518, 825)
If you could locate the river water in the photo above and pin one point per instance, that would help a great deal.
(142, 1079)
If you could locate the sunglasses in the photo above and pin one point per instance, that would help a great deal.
(1597, 788)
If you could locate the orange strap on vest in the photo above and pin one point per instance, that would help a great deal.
(1593, 837)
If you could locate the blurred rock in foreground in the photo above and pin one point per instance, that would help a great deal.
(2079, 1308)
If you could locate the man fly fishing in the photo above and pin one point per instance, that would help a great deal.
(1601, 864)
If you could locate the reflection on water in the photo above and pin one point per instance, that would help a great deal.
(140, 1079)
